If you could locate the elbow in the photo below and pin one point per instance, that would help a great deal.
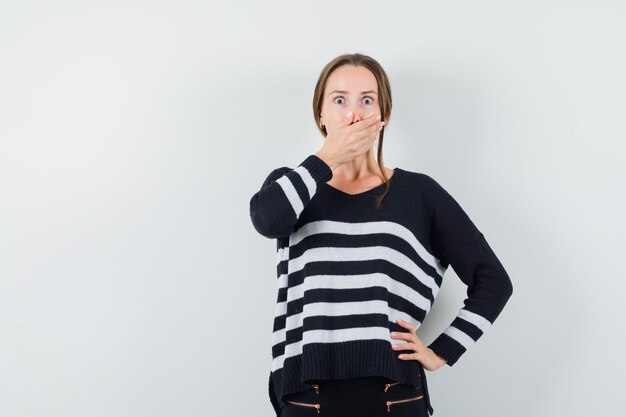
(271, 226)
(270, 231)
(506, 289)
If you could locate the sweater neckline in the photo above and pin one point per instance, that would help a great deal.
(390, 180)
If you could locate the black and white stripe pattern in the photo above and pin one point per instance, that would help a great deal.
(288, 186)
(420, 296)
(284, 194)
(344, 279)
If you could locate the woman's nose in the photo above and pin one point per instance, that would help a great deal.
(357, 116)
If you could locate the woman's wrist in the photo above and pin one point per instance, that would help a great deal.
(321, 155)
(439, 357)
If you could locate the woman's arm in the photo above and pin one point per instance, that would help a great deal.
(284, 194)
(459, 243)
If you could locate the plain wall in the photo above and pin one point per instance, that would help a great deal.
(133, 134)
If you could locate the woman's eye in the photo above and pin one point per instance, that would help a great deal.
(371, 100)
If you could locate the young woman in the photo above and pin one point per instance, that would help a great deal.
(361, 254)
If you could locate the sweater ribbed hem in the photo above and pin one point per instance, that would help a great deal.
(272, 393)
(319, 170)
(354, 359)
(447, 348)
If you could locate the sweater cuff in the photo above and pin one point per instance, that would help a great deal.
(319, 170)
(447, 348)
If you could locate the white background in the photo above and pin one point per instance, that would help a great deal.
(133, 134)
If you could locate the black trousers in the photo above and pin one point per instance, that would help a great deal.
(371, 396)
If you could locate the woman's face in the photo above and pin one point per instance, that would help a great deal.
(348, 88)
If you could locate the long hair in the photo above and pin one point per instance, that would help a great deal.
(384, 100)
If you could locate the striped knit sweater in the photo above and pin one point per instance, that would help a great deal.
(347, 270)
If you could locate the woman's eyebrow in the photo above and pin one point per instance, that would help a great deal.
(345, 92)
